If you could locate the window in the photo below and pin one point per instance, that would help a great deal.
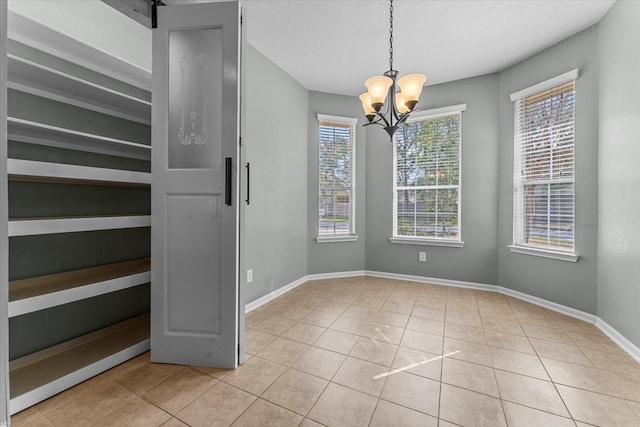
(336, 161)
(427, 178)
(544, 178)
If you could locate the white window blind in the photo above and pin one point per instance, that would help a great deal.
(544, 178)
(427, 178)
(336, 166)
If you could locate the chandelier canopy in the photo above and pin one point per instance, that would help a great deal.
(382, 90)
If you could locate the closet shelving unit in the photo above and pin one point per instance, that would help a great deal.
(38, 293)
(54, 136)
(41, 374)
(39, 226)
(43, 81)
(30, 170)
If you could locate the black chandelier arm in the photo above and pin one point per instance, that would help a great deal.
(377, 119)
(404, 116)
(390, 129)
(383, 114)
(372, 123)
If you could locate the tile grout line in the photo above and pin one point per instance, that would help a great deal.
(444, 329)
(390, 368)
(527, 376)
(493, 369)
(337, 370)
(555, 387)
(346, 358)
(176, 414)
(330, 381)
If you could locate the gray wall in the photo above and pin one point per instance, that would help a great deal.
(476, 261)
(276, 147)
(570, 284)
(335, 256)
(619, 175)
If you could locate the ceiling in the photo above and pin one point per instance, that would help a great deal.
(334, 45)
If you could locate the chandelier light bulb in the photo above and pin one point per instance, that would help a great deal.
(366, 104)
(411, 87)
(401, 104)
(378, 88)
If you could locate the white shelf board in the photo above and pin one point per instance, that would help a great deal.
(40, 375)
(38, 133)
(33, 170)
(32, 227)
(30, 77)
(48, 390)
(38, 35)
(41, 302)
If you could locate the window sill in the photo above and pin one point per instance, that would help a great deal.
(560, 256)
(337, 239)
(426, 242)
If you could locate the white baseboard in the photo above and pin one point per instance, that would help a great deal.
(618, 338)
(432, 280)
(578, 314)
(587, 317)
(337, 275)
(274, 294)
(286, 288)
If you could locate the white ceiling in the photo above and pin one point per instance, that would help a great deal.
(334, 45)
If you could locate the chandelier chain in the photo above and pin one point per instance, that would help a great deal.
(398, 96)
(391, 35)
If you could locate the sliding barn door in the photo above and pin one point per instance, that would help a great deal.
(196, 72)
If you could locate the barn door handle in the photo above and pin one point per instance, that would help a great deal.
(227, 181)
(248, 166)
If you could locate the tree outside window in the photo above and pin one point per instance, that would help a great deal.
(427, 178)
(336, 145)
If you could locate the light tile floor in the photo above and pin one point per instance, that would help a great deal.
(370, 351)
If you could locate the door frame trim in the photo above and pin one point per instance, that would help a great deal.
(4, 222)
(243, 197)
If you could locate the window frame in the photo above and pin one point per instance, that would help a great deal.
(518, 206)
(417, 116)
(349, 236)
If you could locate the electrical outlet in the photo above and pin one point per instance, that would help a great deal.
(422, 257)
(249, 276)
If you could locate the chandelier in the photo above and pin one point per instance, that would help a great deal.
(399, 104)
